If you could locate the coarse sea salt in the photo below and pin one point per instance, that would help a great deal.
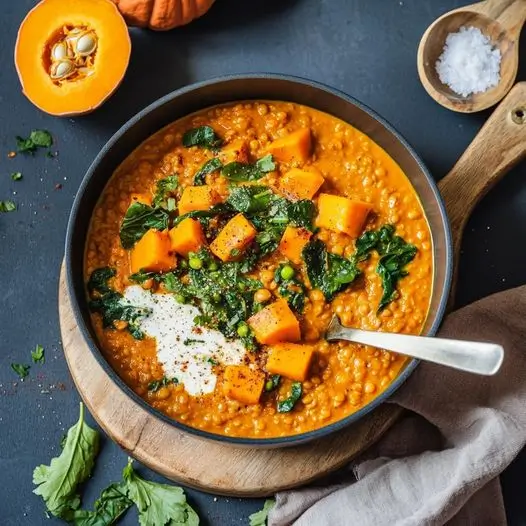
(469, 63)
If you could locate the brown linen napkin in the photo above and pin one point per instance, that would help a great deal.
(440, 463)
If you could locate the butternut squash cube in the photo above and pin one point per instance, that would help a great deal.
(275, 323)
(301, 184)
(187, 236)
(243, 383)
(292, 243)
(341, 214)
(153, 253)
(290, 360)
(236, 151)
(145, 199)
(295, 146)
(197, 198)
(235, 237)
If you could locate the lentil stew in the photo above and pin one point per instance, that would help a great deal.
(221, 248)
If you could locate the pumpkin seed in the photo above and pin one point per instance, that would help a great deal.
(62, 69)
(86, 44)
(60, 51)
(85, 72)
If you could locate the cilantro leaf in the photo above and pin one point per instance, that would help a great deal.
(7, 206)
(38, 355)
(203, 136)
(140, 218)
(21, 369)
(37, 139)
(16, 176)
(260, 517)
(158, 504)
(57, 483)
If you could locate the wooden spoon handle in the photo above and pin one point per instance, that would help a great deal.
(499, 145)
(510, 14)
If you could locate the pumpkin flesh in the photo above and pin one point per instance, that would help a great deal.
(41, 29)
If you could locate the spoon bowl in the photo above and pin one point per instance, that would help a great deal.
(501, 21)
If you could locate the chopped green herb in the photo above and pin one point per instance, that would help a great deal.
(158, 504)
(21, 369)
(249, 199)
(57, 483)
(142, 276)
(216, 210)
(140, 218)
(16, 176)
(192, 341)
(7, 206)
(272, 382)
(163, 382)
(295, 393)
(211, 361)
(110, 304)
(38, 355)
(164, 189)
(241, 172)
(37, 139)
(209, 167)
(290, 288)
(203, 136)
(260, 517)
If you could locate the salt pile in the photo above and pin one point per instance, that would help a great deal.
(469, 63)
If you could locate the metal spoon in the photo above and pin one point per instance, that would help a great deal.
(473, 357)
(501, 21)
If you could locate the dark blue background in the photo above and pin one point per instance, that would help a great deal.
(364, 47)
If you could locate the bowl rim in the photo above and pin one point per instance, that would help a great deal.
(272, 442)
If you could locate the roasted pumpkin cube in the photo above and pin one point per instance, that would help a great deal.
(145, 199)
(301, 184)
(187, 236)
(243, 384)
(292, 243)
(235, 237)
(236, 151)
(275, 323)
(197, 198)
(153, 253)
(295, 146)
(291, 360)
(341, 214)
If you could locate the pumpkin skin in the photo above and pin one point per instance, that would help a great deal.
(162, 15)
(40, 29)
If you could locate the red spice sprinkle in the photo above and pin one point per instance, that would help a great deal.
(58, 186)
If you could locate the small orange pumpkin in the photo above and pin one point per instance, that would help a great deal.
(162, 15)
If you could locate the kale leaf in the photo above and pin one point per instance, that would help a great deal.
(203, 136)
(140, 218)
(288, 404)
(243, 172)
(165, 188)
(292, 289)
(209, 167)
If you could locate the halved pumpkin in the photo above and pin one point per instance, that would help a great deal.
(71, 55)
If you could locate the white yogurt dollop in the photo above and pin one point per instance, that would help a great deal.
(185, 351)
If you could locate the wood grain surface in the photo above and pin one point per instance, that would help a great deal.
(243, 472)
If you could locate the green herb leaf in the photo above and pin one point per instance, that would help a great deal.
(38, 355)
(16, 176)
(165, 188)
(260, 517)
(329, 273)
(57, 483)
(203, 136)
(163, 382)
(158, 504)
(292, 289)
(142, 276)
(242, 172)
(249, 199)
(111, 505)
(37, 139)
(7, 206)
(140, 218)
(295, 393)
(209, 167)
(216, 210)
(21, 369)
(301, 213)
(112, 306)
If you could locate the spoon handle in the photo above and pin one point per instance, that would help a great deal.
(474, 357)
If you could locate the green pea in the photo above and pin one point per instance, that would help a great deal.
(180, 298)
(213, 266)
(287, 272)
(269, 385)
(216, 297)
(195, 263)
(242, 330)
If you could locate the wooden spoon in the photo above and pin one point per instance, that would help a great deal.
(501, 21)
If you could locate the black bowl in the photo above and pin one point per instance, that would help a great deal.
(245, 87)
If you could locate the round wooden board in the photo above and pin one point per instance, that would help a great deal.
(198, 463)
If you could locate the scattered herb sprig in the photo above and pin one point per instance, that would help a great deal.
(37, 139)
